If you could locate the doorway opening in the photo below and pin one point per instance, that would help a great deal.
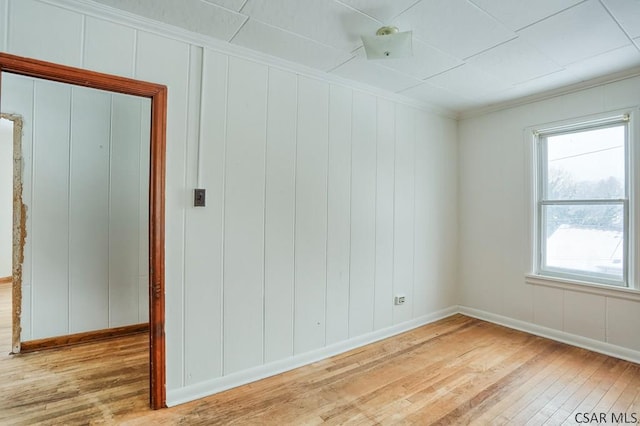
(157, 94)
(11, 213)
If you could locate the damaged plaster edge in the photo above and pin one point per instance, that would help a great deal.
(19, 230)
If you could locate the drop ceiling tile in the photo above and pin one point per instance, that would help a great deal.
(468, 81)
(192, 15)
(536, 86)
(425, 62)
(374, 75)
(276, 42)
(454, 26)
(229, 4)
(517, 14)
(627, 13)
(607, 63)
(382, 10)
(542, 84)
(324, 21)
(438, 97)
(578, 33)
(514, 61)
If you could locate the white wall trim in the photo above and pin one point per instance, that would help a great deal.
(623, 293)
(117, 16)
(557, 335)
(210, 387)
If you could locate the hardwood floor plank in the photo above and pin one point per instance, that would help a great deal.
(573, 401)
(456, 371)
(527, 399)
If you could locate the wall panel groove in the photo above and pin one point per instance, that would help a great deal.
(314, 197)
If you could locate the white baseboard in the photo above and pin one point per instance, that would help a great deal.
(557, 335)
(210, 387)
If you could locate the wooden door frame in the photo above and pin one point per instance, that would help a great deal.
(158, 95)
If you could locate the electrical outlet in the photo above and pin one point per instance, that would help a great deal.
(399, 299)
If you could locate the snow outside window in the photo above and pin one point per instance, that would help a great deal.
(583, 201)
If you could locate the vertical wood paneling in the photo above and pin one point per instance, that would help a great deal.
(4, 24)
(244, 216)
(403, 212)
(428, 246)
(384, 214)
(363, 218)
(89, 210)
(50, 244)
(311, 214)
(45, 32)
(166, 61)
(279, 215)
(67, 251)
(143, 210)
(338, 213)
(548, 306)
(623, 317)
(124, 203)
(108, 47)
(6, 196)
(576, 322)
(204, 232)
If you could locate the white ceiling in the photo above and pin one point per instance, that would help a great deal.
(467, 53)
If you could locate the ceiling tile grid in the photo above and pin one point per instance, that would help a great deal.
(584, 31)
(627, 14)
(456, 27)
(466, 53)
(194, 15)
(234, 5)
(382, 10)
(283, 44)
(327, 22)
(370, 73)
(434, 95)
(517, 14)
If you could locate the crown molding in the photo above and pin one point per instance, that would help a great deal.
(117, 16)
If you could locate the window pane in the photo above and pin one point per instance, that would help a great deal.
(586, 165)
(585, 238)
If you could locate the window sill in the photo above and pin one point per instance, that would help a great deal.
(584, 287)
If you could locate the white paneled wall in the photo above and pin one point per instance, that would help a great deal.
(6, 197)
(312, 154)
(316, 197)
(279, 219)
(244, 215)
(84, 176)
(363, 215)
(385, 189)
(339, 213)
(494, 229)
(403, 213)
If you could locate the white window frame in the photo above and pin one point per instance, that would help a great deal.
(537, 276)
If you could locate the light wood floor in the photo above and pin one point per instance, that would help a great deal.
(455, 371)
(5, 318)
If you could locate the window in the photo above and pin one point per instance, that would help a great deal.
(583, 202)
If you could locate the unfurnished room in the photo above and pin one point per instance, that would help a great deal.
(287, 212)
